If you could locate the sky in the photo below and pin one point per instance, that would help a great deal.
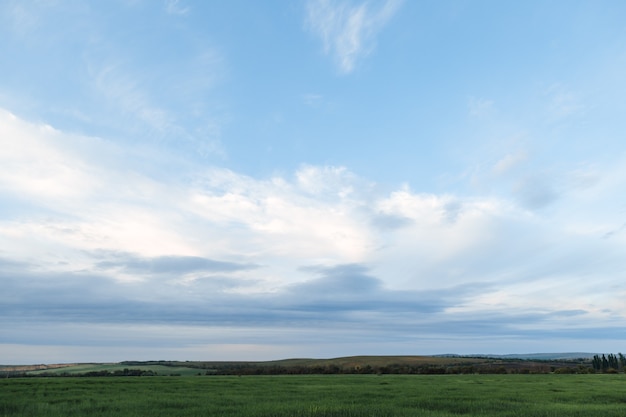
(243, 180)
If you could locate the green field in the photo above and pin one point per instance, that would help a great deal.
(329, 395)
(83, 368)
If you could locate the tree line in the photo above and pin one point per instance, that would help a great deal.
(605, 363)
(609, 363)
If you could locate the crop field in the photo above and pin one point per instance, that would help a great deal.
(83, 368)
(321, 395)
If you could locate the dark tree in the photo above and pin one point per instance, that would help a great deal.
(605, 363)
(596, 363)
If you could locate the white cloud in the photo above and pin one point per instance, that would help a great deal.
(444, 240)
(246, 245)
(84, 198)
(334, 180)
(309, 219)
(85, 194)
(36, 163)
(509, 162)
(175, 7)
(348, 31)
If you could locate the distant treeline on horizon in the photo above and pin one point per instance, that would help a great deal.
(439, 365)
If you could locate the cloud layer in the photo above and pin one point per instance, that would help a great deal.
(95, 239)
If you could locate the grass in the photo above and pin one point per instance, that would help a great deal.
(323, 396)
(82, 368)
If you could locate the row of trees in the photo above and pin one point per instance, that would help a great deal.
(609, 363)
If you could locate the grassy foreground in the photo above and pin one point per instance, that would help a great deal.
(329, 395)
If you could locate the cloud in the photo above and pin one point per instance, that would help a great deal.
(174, 7)
(614, 232)
(324, 180)
(142, 112)
(563, 102)
(27, 17)
(348, 31)
(337, 294)
(480, 107)
(312, 99)
(123, 243)
(352, 288)
(509, 162)
(339, 280)
(536, 191)
(97, 81)
(176, 265)
(390, 221)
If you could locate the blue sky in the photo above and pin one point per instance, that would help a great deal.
(208, 180)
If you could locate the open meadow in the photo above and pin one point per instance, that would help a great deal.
(317, 395)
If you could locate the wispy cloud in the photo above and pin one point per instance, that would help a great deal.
(312, 100)
(104, 84)
(347, 30)
(562, 102)
(123, 92)
(509, 162)
(134, 106)
(480, 107)
(175, 7)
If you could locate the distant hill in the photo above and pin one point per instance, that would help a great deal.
(573, 362)
(538, 356)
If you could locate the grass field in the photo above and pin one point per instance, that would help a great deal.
(82, 368)
(330, 395)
